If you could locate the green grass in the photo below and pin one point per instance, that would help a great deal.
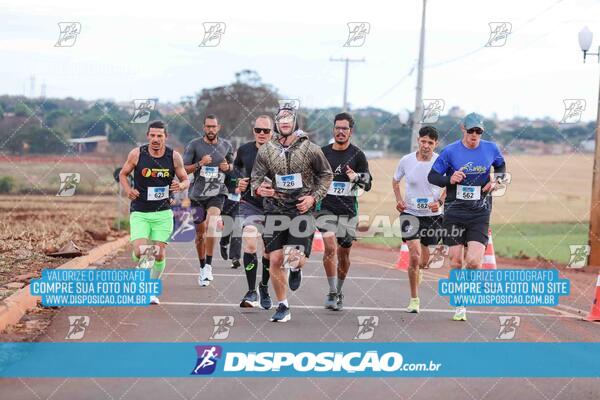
(550, 240)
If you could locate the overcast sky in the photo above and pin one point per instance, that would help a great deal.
(130, 50)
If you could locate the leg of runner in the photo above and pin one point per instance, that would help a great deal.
(343, 254)
(250, 241)
(415, 257)
(279, 280)
(329, 263)
(456, 255)
(474, 256)
(263, 287)
(201, 250)
(212, 221)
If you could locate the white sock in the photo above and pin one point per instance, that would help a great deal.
(284, 302)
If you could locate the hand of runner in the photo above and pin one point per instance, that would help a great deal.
(224, 166)
(175, 187)
(351, 174)
(207, 159)
(401, 206)
(133, 194)
(306, 202)
(265, 190)
(457, 177)
(491, 185)
(243, 184)
(434, 206)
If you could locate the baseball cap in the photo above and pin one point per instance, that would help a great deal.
(473, 120)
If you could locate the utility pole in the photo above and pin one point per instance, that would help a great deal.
(418, 115)
(346, 61)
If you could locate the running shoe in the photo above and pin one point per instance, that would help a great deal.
(340, 302)
(154, 300)
(282, 314)
(265, 299)
(235, 263)
(295, 279)
(202, 280)
(413, 305)
(460, 314)
(250, 300)
(224, 254)
(331, 301)
(208, 272)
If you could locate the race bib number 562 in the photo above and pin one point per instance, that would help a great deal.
(468, 192)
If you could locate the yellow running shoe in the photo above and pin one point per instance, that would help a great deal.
(413, 305)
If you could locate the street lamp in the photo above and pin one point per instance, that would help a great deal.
(585, 42)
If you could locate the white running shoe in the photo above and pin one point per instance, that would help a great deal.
(202, 280)
(208, 272)
(154, 300)
(460, 314)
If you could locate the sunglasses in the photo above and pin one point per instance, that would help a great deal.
(266, 131)
(478, 131)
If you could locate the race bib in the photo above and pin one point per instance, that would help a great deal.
(340, 189)
(156, 193)
(234, 196)
(468, 192)
(291, 181)
(422, 203)
(209, 172)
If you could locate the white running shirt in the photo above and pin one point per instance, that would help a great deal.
(419, 191)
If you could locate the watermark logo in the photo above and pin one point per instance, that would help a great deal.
(68, 184)
(292, 256)
(357, 34)
(579, 255)
(502, 182)
(437, 255)
(207, 359)
(184, 229)
(574, 109)
(508, 327)
(499, 32)
(148, 256)
(68, 34)
(366, 327)
(222, 326)
(213, 31)
(432, 109)
(142, 109)
(77, 326)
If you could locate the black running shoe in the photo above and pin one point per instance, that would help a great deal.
(340, 302)
(235, 263)
(282, 314)
(295, 279)
(224, 253)
(250, 299)
(265, 299)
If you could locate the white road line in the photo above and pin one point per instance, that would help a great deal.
(380, 309)
(372, 278)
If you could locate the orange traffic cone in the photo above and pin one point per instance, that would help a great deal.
(403, 258)
(489, 258)
(595, 311)
(318, 246)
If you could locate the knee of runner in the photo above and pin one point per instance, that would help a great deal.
(472, 263)
(415, 259)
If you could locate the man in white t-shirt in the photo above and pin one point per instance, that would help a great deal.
(420, 210)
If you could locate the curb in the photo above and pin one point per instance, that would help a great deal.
(15, 306)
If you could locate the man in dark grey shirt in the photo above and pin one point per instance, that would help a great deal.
(208, 158)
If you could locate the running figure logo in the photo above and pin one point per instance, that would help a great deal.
(212, 34)
(142, 109)
(432, 109)
(207, 359)
(68, 34)
(223, 324)
(357, 33)
(579, 255)
(502, 182)
(148, 256)
(437, 255)
(499, 32)
(68, 184)
(366, 326)
(508, 327)
(77, 326)
(184, 229)
(574, 108)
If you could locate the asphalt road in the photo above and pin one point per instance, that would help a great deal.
(374, 288)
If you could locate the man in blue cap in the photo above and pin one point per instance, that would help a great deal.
(464, 169)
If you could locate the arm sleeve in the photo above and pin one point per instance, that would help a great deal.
(498, 159)
(238, 166)
(437, 179)
(229, 155)
(365, 178)
(323, 173)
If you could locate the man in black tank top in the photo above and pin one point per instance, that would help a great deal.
(154, 166)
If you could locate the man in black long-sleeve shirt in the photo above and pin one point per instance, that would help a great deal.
(464, 167)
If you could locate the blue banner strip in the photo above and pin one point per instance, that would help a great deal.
(299, 359)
